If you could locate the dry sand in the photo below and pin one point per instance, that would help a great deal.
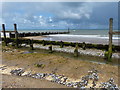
(27, 82)
(35, 37)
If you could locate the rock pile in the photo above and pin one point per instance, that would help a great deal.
(109, 84)
(88, 81)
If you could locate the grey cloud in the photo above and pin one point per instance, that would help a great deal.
(59, 14)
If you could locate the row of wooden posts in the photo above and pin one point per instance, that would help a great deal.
(109, 52)
(26, 34)
(76, 53)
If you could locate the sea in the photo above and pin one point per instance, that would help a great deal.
(87, 36)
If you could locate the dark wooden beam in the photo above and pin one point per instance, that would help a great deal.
(16, 34)
(110, 39)
(115, 32)
(3, 28)
(8, 31)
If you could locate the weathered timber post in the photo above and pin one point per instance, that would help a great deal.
(31, 44)
(10, 35)
(110, 39)
(50, 49)
(3, 28)
(61, 44)
(83, 45)
(68, 30)
(43, 42)
(16, 34)
(76, 50)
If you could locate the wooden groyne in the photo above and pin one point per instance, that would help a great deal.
(109, 48)
(39, 33)
(26, 34)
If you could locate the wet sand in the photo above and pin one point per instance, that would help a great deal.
(70, 38)
(35, 37)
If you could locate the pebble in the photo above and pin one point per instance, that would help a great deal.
(26, 73)
(38, 75)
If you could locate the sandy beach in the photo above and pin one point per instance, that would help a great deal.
(61, 65)
(60, 44)
(35, 37)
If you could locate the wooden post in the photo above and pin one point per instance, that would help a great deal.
(61, 44)
(76, 50)
(3, 28)
(83, 45)
(68, 30)
(31, 44)
(110, 39)
(50, 49)
(16, 34)
(43, 42)
(10, 35)
(15, 29)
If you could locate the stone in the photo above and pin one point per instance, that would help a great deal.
(49, 78)
(42, 75)
(3, 68)
(38, 75)
(27, 73)
(63, 79)
(17, 72)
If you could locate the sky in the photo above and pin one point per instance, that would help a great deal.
(59, 15)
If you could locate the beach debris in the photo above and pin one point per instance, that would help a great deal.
(17, 71)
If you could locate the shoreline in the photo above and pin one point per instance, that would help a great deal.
(68, 38)
(35, 37)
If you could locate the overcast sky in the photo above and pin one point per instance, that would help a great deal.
(54, 15)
